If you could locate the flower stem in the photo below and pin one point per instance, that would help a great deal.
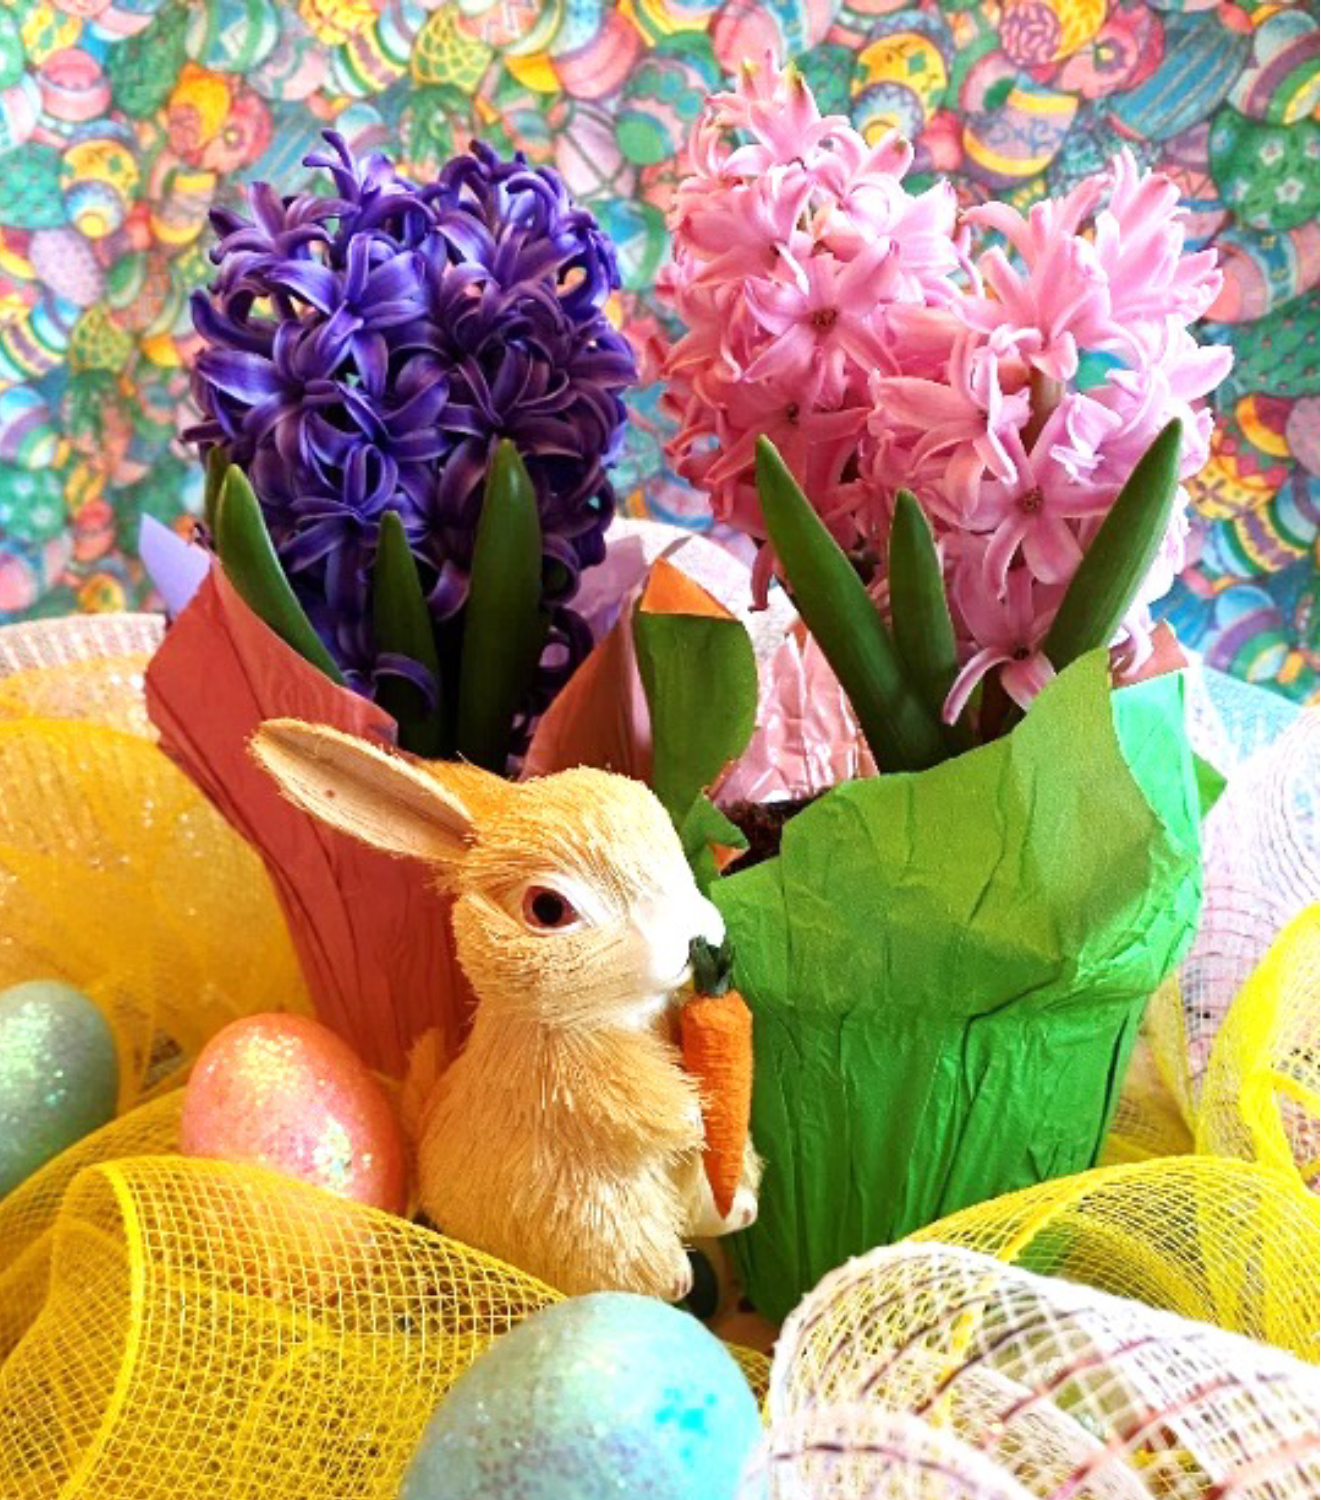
(1045, 394)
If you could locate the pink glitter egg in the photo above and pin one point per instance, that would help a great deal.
(283, 1092)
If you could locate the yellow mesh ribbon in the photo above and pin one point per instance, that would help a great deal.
(118, 876)
(1257, 1099)
(214, 1332)
(83, 667)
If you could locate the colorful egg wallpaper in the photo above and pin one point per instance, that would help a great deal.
(122, 122)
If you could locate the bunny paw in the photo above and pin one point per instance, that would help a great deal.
(743, 1211)
(680, 1280)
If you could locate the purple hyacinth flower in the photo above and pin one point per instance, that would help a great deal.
(365, 352)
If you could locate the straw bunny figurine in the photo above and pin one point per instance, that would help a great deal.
(565, 1137)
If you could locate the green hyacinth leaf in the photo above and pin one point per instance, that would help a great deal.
(402, 625)
(504, 628)
(1121, 554)
(903, 733)
(217, 466)
(699, 673)
(919, 612)
(248, 558)
(703, 829)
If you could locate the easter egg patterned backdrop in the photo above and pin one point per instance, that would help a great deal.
(122, 122)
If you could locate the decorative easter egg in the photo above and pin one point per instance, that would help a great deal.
(283, 1092)
(640, 238)
(29, 436)
(371, 61)
(295, 68)
(1261, 421)
(663, 97)
(74, 89)
(748, 29)
(1302, 431)
(1201, 62)
(1245, 635)
(906, 55)
(232, 36)
(20, 109)
(99, 178)
(1276, 354)
(31, 505)
(444, 54)
(668, 17)
(64, 261)
(1090, 148)
(182, 215)
(1008, 145)
(986, 82)
(333, 22)
(1263, 270)
(1233, 479)
(1280, 86)
(46, 30)
(1039, 32)
(1266, 173)
(59, 1074)
(523, 28)
(600, 65)
(591, 1399)
(587, 156)
(1124, 53)
(98, 343)
(144, 69)
(33, 346)
(881, 108)
(1276, 535)
(829, 73)
(1185, 160)
(12, 55)
(118, 21)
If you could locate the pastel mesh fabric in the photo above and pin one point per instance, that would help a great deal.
(1220, 1241)
(1230, 1058)
(932, 1371)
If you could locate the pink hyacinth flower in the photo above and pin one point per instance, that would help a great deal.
(820, 320)
(1007, 631)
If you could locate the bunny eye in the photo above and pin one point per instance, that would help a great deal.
(545, 910)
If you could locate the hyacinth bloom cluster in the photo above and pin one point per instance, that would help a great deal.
(1009, 370)
(365, 351)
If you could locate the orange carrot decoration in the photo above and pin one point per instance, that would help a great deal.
(716, 1031)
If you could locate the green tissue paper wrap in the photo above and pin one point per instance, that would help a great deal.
(947, 971)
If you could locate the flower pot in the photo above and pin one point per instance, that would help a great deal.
(947, 971)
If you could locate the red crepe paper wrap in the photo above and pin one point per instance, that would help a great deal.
(372, 934)
(600, 717)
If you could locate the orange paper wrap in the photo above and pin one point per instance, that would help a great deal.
(372, 935)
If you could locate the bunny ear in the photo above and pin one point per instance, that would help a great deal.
(381, 799)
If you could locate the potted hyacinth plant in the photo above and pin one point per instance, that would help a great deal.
(411, 398)
(958, 439)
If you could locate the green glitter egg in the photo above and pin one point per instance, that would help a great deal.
(59, 1075)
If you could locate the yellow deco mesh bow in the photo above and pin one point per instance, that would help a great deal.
(194, 1330)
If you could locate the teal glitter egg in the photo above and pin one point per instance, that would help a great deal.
(59, 1076)
(591, 1399)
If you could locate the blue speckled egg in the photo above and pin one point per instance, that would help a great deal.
(603, 1397)
(59, 1076)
